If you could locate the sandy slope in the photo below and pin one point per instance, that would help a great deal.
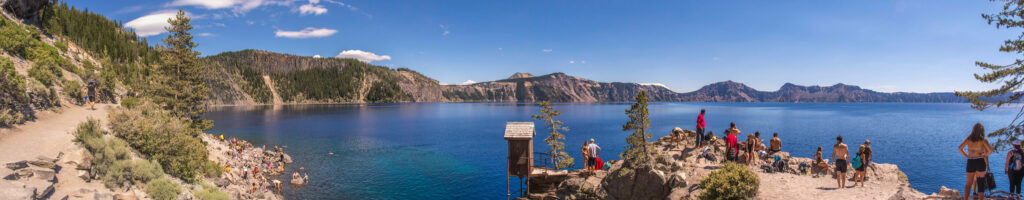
(49, 135)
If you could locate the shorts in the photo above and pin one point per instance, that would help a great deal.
(976, 165)
(591, 161)
(700, 136)
(841, 165)
(861, 168)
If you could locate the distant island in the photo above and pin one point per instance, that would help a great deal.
(263, 77)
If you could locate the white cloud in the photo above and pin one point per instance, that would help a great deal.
(250, 22)
(314, 1)
(312, 9)
(239, 6)
(363, 56)
(467, 82)
(205, 34)
(655, 84)
(499, 49)
(546, 50)
(308, 32)
(583, 62)
(572, 62)
(317, 56)
(445, 28)
(152, 24)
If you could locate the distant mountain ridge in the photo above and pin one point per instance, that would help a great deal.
(240, 78)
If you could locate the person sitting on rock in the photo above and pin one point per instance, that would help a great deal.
(819, 161)
(776, 144)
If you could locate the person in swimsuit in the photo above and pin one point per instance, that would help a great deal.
(751, 156)
(586, 157)
(819, 160)
(840, 157)
(977, 153)
(775, 144)
(858, 174)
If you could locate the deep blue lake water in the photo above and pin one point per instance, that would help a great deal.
(456, 150)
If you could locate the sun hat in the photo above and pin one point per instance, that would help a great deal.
(591, 139)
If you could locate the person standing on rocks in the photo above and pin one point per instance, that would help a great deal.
(840, 157)
(700, 129)
(977, 154)
(1013, 168)
(730, 139)
(586, 157)
(594, 150)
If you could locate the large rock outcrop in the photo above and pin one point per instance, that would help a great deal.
(25, 9)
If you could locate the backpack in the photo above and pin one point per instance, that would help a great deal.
(856, 161)
(1016, 164)
(730, 153)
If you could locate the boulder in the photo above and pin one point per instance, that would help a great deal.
(906, 193)
(15, 191)
(49, 159)
(42, 163)
(946, 192)
(298, 181)
(17, 165)
(42, 189)
(577, 186)
(221, 182)
(636, 183)
(12, 177)
(44, 174)
(125, 196)
(103, 196)
(24, 173)
(287, 159)
(677, 180)
(84, 174)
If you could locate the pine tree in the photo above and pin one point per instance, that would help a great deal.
(559, 157)
(181, 88)
(1011, 75)
(638, 123)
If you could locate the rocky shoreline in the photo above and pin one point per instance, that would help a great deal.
(249, 169)
(678, 169)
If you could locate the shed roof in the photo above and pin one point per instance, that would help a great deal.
(519, 130)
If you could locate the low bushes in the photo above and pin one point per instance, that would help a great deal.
(732, 181)
(9, 117)
(74, 90)
(162, 189)
(46, 72)
(12, 93)
(163, 137)
(112, 157)
(210, 193)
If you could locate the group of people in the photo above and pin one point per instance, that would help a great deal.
(590, 155)
(755, 149)
(252, 164)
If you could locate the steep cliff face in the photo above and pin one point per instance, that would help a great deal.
(556, 87)
(246, 77)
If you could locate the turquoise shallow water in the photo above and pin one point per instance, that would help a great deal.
(456, 150)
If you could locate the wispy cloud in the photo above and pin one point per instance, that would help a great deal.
(239, 6)
(546, 50)
(151, 24)
(307, 9)
(445, 30)
(363, 56)
(205, 35)
(467, 82)
(130, 9)
(308, 32)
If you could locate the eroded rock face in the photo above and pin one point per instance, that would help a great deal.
(637, 183)
(25, 9)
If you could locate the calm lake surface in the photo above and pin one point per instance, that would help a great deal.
(456, 150)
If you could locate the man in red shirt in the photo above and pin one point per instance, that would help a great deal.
(700, 129)
(730, 139)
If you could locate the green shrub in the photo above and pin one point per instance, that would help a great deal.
(212, 169)
(210, 193)
(732, 181)
(163, 137)
(74, 91)
(45, 72)
(112, 158)
(130, 102)
(162, 189)
(9, 117)
(61, 45)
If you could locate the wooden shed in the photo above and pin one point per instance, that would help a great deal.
(520, 151)
(520, 148)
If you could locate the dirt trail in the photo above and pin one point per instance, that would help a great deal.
(273, 91)
(50, 135)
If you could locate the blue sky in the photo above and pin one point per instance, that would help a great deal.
(914, 46)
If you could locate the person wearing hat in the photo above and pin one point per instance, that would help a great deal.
(1014, 168)
(594, 150)
(91, 94)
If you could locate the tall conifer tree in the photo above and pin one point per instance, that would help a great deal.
(181, 87)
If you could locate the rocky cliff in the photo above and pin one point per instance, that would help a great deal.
(238, 78)
(729, 91)
(557, 87)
